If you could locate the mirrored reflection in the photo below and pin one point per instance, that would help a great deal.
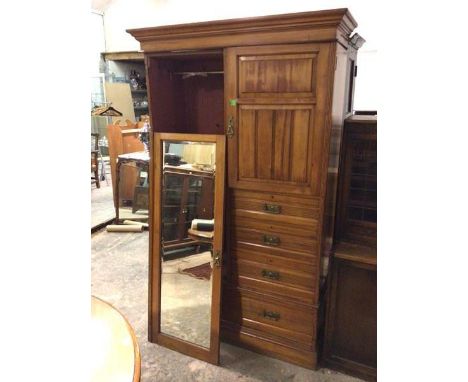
(133, 186)
(187, 230)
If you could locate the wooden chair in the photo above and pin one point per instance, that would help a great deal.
(94, 159)
(123, 140)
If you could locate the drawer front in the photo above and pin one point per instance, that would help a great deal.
(267, 279)
(273, 239)
(308, 231)
(306, 259)
(304, 355)
(275, 207)
(267, 259)
(283, 319)
(276, 275)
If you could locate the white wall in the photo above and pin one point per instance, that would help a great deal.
(120, 15)
(366, 90)
(97, 41)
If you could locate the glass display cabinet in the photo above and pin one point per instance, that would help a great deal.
(188, 194)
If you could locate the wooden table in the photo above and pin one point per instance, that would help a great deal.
(203, 236)
(115, 353)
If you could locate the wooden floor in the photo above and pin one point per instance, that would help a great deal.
(119, 275)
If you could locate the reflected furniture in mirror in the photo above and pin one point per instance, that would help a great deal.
(188, 240)
(278, 87)
(132, 187)
(188, 195)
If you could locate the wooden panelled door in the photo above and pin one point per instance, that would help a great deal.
(274, 116)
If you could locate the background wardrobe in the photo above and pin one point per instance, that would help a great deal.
(279, 87)
(350, 340)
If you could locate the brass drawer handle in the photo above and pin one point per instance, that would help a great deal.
(272, 208)
(271, 315)
(271, 240)
(270, 274)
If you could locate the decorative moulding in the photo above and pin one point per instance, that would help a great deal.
(328, 25)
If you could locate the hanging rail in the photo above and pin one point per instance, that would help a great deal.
(194, 74)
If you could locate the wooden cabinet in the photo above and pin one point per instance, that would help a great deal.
(351, 329)
(279, 87)
(189, 194)
(350, 341)
(357, 209)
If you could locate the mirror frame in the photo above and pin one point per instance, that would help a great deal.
(154, 291)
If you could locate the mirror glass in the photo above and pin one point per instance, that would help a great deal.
(133, 187)
(187, 231)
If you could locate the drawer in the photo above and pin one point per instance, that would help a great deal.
(304, 355)
(304, 259)
(274, 207)
(275, 280)
(273, 239)
(275, 272)
(308, 231)
(277, 317)
(267, 259)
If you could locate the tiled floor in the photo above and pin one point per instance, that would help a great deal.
(120, 276)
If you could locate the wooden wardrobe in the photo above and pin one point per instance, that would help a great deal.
(279, 88)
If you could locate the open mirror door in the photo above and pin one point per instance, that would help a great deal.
(187, 229)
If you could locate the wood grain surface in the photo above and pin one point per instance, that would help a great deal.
(115, 351)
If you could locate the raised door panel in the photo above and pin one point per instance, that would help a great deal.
(350, 339)
(266, 75)
(277, 100)
(275, 144)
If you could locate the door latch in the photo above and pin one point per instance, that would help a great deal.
(230, 127)
(217, 259)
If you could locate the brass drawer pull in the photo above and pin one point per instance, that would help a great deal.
(270, 274)
(271, 240)
(271, 315)
(272, 208)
